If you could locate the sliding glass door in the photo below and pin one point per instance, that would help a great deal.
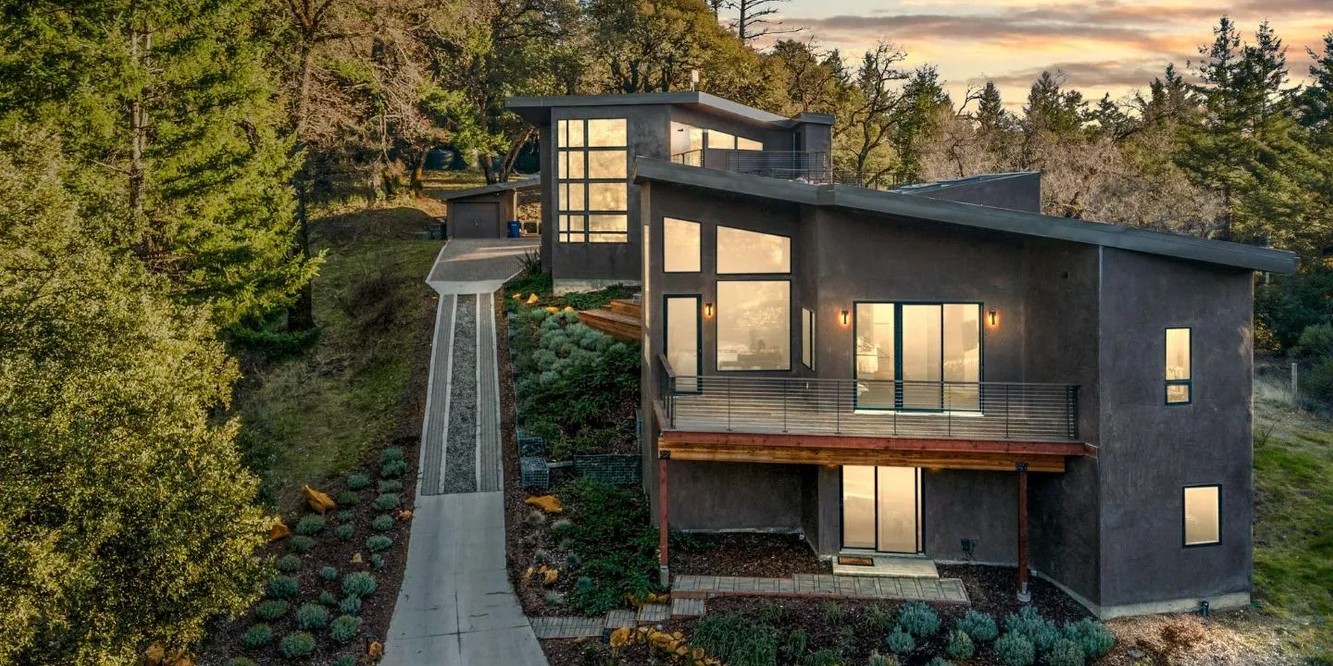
(918, 356)
(881, 508)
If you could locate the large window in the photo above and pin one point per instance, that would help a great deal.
(680, 249)
(754, 325)
(592, 187)
(688, 142)
(682, 340)
(1203, 515)
(1179, 381)
(918, 356)
(740, 251)
(808, 338)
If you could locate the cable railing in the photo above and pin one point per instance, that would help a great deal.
(806, 166)
(868, 408)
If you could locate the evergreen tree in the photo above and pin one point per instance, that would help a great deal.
(126, 517)
(1053, 109)
(169, 124)
(917, 120)
(1316, 101)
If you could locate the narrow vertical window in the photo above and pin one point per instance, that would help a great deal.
(1203, 515)
(1179, 381)
(808, 338)
(682, 340)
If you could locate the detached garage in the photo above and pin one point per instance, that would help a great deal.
(484, 212)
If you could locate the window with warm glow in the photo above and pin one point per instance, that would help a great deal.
(808, 338)
(1179, 381)
(592, 187)
(682, 340)
(1203, 515)
(740, 252)
(754, 325)
(680, 246)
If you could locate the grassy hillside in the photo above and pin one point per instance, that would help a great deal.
(309, 418)
(1293, 532)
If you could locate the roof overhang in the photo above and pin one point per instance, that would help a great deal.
(1223, 253)
(987, 455)
(537, 110)
(494, 188)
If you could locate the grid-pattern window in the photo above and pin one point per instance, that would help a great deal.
(592, 186)
(1179, 377)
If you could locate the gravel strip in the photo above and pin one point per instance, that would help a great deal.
(460, 458)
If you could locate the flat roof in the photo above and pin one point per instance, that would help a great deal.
(904, 204)
(521, 184)
(537, 110)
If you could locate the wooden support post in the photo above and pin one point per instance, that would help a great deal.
(1024, 595)
(663, 570)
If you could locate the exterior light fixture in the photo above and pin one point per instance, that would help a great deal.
(708, 310)
(993, 318)
(845, 317)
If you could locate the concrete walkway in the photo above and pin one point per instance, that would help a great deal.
(456, 607)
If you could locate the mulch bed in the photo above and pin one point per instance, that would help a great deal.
(746, 554)
(224, 641)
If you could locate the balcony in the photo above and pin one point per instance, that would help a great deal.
(806, 166)
(976, 411)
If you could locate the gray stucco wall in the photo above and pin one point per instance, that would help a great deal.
(964, 504)
(1150, 450)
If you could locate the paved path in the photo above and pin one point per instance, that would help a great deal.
(456, 607)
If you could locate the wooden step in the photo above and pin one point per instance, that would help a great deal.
(615, 324)
(627, 307)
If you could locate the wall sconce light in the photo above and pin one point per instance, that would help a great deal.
(993, 318)
(708, 310)
(845, 317)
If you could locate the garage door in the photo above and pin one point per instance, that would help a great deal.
(474, 219)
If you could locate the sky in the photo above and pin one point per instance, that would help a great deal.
(1103, 46)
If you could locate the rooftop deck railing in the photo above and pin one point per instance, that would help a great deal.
(808, 166)
(866, 408)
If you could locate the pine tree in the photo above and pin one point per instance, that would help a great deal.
(1316, 101)
(168, 119)
(917, 120)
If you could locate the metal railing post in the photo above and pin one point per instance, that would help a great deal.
(1007, 389)
(728, 405)
(784, 406)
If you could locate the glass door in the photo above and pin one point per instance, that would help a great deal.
(918, 356)
(881, 508)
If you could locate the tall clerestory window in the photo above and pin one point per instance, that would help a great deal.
(592, 186)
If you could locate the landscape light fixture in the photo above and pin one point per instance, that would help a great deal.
(708, 310)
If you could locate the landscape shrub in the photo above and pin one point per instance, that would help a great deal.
(358, 584)
(350, 605)
(288, 563)
(824, 657)
(939, 661)
(1015, 650)
(918, 619)
(347, 498)
(391, 486)
(345, 516)
(382, 523)
(878, 620)
(796, 644)
(312, 616)
(978, 626)
(960, 645)
(296, 645)
(241, 661)
(393, 469)
(900, 642)
(258, 635)
(391, 454)
(345, 628)
(573, 561)
(283, 587)
(378, 542)
(735, 639)
(554, 598)
(271, 609)
(877, 659)
(345, 660)
(300, 544)
(357, 481)
(377, 561)
(1029, 623)
(617, 546)
(1091, 635)
(834, 613)
(326, 598)
(387, 502)
(328, 573)
(310, 525)
(345, 532)
(1064, 652)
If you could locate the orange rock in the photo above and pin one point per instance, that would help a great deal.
(620, 637)
(527, 575)
(547, 503)
(154, 655)
(552, 309)
(319, 502)
(356, 558)
(532, 299)
(278, 530)
(549, 577)
(375, 651)
(405, 515)
(569, 308)
(518, 296)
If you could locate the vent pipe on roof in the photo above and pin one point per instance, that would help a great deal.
(694, 78)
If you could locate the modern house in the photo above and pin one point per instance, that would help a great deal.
(940, 372)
